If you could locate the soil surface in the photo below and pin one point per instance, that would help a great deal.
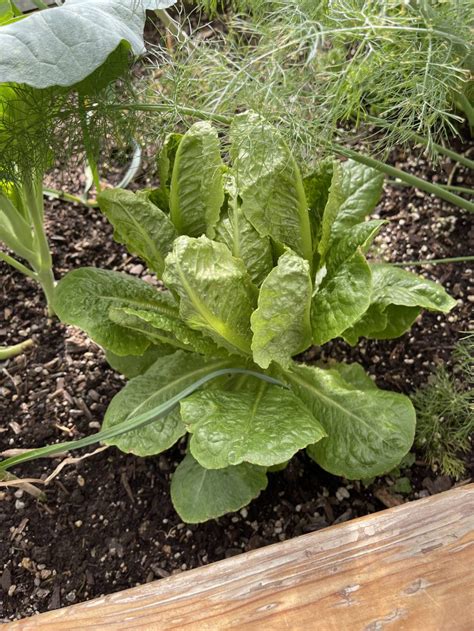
(107, 522)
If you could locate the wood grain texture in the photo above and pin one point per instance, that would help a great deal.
(407, 568)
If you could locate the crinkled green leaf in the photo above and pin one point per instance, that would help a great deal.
(335, 199)
(368, 431)
(244, 241)
(197, 187)
(199, 494)
(175, 329)
(163, 380)
(354, 375)
(360, 188)
(165, 163)
(216, 295)
(142, 227)
(341, 299)
(360, 236)
(85, 296)
(265, 426)
(393, 285)
(281, 324)
(133, 365)
(63, 45)
(316, 186)
(270, 185)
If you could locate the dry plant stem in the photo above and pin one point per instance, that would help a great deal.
(11, 480)
(7, 352)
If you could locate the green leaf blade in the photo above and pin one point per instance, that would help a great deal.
(199, 494)
(140, 225)
(197, 187)
(281, 324)
(215, 292)
(264, 426)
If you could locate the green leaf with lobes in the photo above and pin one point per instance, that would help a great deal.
(341, 299)
(64, 45)
(216, 295)
(167, 377)
(263, 426)
(85, 296)
(281, 324)
(200, 494)
(142, 227)
(368, 430)
(270, 185)
(197, 186)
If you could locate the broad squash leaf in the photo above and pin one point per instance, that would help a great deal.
(64, 45)
(368, 430)
(142, 227)
(216, 295)
(197, 187)
(85, 296)
(199, 494)
(133, 365)
(264, 426)
(341, 299)
(245, 243)
(167, 377)
(281, 324)
(270, 185)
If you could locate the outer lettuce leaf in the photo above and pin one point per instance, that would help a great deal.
(85, 296)
(368, 430)
(63, 45)
(360, 236)
(236, 231)
(264, 426)
(197, 188)
(397, 299)
(341, 299)
(142, 227)
(133, 365)
(159, 326)
(281, 324)
(166, 378)
(270, 184)
(216, 295)
(199, 494)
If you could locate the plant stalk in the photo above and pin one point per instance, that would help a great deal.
(6, 352)
(452, 259)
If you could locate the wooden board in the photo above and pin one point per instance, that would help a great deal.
(407, 568)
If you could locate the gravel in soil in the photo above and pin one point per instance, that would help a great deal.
(107, 522)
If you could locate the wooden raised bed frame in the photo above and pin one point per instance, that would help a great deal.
(410, 568)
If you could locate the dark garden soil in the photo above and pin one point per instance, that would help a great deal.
(107, 523)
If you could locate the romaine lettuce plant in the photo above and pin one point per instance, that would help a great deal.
(77, 49)
(259, 263)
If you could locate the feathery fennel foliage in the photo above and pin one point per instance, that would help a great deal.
(445, 412)
(309, 66)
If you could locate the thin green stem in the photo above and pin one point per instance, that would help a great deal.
(448, 187)
(39, 4)
(452, 259)
(17, 265)
(88, 144)
(410, 179)
(133, 423)
(457, 157)
(55, 194)
(12, 351)
(180, 109)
